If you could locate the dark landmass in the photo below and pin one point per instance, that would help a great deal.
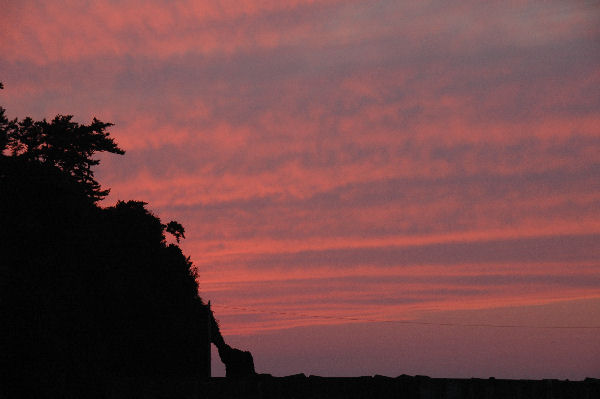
(403, 387)
(88, 293)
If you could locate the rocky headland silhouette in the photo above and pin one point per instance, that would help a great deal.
(88, 293)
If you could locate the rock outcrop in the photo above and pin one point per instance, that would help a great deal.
(238, 363)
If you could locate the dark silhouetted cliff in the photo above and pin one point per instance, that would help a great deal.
(88, 294)
(93, 300)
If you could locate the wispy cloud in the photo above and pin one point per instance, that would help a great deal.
(333, 157)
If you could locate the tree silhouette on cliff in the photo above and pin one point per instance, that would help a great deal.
(63, 144)
(86, 292)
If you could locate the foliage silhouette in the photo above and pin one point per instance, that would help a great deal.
(176, 229)
(62, 143)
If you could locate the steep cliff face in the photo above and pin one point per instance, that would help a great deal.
(238, 364)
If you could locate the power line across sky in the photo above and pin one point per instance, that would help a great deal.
(407, 322)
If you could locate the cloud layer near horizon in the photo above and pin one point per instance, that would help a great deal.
(369, 159)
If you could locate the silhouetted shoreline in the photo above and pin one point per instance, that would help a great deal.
(400, 387)
(403, 387)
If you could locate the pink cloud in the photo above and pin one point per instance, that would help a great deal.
(385, 160)
(86, 30)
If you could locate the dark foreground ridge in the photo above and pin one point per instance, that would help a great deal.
(402, 387)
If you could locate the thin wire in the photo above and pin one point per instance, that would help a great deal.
(411, 322)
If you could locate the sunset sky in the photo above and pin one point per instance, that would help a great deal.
(360, 181)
